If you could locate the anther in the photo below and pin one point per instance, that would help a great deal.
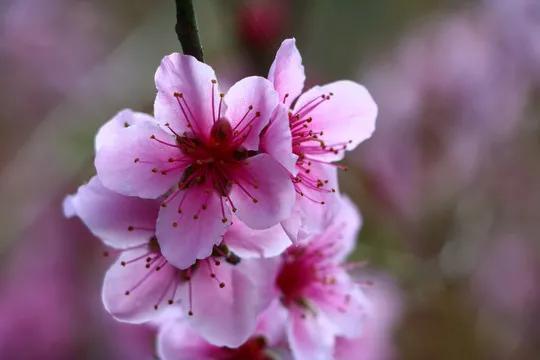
(123, 263)
(190, 313)
(213, 81)
(130, 228)
(127, 292)
(222, 285)
(174, 224)
(136, 160)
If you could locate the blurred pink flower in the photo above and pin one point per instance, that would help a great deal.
(262, 22)
(205, 151)
(449, 96)
(508, 276)
(322, 301)
(47, 291)
(324, 122)
(522, 30)
(38, 36)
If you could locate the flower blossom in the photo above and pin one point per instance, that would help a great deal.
(324, 121)
(222, 295)
(321, 300)
(200, 158)
(177, 341)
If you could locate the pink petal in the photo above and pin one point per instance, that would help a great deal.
(227, 316)
(287, 72)
(120, 221)
(272, 323)
(309, 215)
(248, 243)
(138, 306)
(348, 117)
(346, 307)
(277, 140)
(250, 103)
(190, 235)
(263, 194)
(310, 336)
(137, 165)
(347, 221)
(178, 341)
(111, 131)
(183, 74)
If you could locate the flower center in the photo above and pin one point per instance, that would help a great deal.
(297, 273)
(212, 159)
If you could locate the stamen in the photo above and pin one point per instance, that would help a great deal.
(221, 96)
(153, 137)
(250, 107)
(124, 263)
(213, 111)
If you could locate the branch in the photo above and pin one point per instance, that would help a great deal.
(186, 29)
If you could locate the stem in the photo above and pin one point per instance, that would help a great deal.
(186, 29)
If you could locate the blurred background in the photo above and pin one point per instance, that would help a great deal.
(448, 185)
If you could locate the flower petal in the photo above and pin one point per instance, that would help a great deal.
(137, 165)
(145, 287)
(178, 341)
(248, 243)
(310, 336)
(347, 118)
(272, 323)
(191, 234)
(263, 192)
(183, 74)
(316, 205)
(346, 307)
(276, 140)
(346, 221)
(111, 131)
(250, 104)
(287, 72)
(228, 316)
(120, 221)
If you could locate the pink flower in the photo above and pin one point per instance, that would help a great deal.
(177, 341)
(222, 294)
(324, 121)
(321, 299)
(202, 156)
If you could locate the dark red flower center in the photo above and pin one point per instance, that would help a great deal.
(253, 349)
(297, 273)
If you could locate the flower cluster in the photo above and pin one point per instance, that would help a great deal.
(225, 214)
